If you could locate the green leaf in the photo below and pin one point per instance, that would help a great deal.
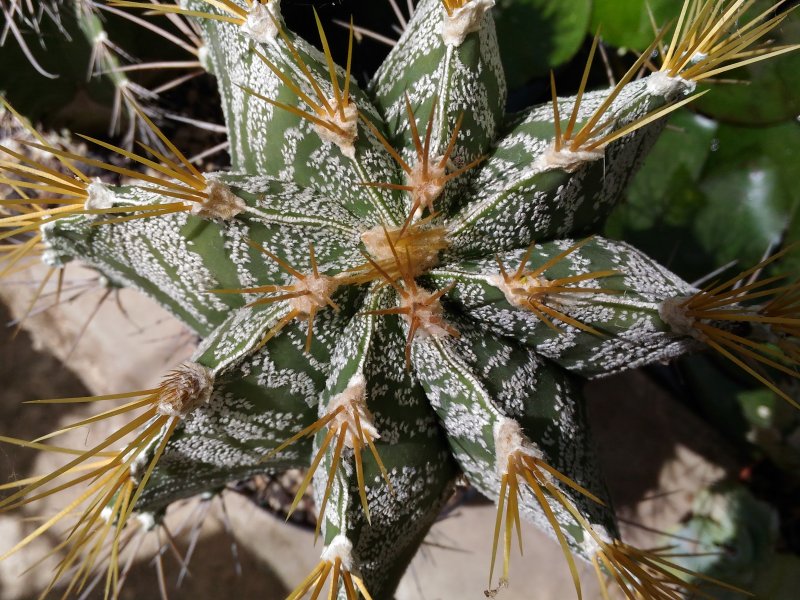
(627, 24)
(538, 35)
(70, 100)
(711, 194)
(753, 418)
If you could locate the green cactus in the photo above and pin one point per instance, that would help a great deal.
(393, 286)
(732, 535)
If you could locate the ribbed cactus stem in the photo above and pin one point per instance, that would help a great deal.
(394, 286)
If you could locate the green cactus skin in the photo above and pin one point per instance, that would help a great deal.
(437, 392)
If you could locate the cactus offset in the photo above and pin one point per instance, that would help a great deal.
(393, 285)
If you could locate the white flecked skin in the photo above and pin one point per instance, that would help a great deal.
(293, 187)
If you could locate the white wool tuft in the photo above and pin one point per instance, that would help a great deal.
(263, 21)
(566, 160)
(590, 545)
(464, 20)
(341, 548)
(353, 399)
(348, 126)
(100, 197)
(673, 314)
(670, 88)
(187, 388)
(509, 439)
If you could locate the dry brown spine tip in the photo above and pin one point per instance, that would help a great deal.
(218, 203)
(185, 389)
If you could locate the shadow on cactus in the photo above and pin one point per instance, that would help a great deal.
(394, 286)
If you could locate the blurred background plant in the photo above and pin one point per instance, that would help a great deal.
(718, 193)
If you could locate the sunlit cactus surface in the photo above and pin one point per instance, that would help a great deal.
(396, 284)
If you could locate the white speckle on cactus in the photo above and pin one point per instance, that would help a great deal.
(51, 256)
(464, 20)
(263, 21)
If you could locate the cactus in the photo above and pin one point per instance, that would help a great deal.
(77, 42)
(736, 534)
(394, 286)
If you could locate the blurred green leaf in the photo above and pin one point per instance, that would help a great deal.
(710, 194)
(752, 418)
(779, 579)
(715, 385)
(664, 199)
(538, 35)
(627, 23)
(751, 183)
